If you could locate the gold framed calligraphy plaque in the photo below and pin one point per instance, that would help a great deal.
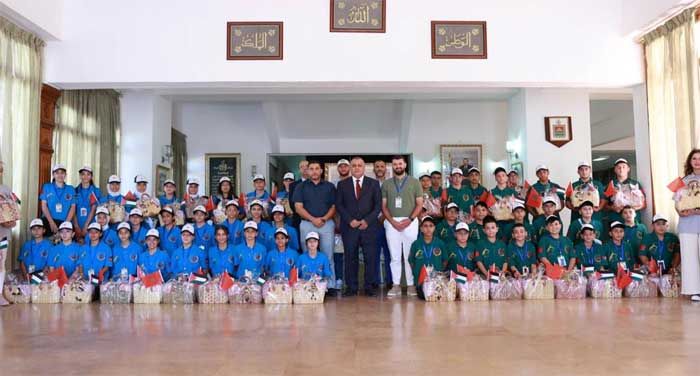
(458, 39)
(358, 16)
(260, 40)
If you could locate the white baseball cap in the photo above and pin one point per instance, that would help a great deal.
(343, 162)
(288, 176)
(518, 205)
(451, 205)
(188, 228)
(250, 224)
(277, 209)
(193, 181)
(549, 199)
(58, 166)
(140, 179)
(583, 164)
(621, 160)
(231, 202)
(282, 230)
(659, 217)
(312, 235)
(167, 209)
(199, 208)
(114, 179)
(256, 202)
(462, 226)
(258, 177)
(136, 211)
(95, 226)
(102, 210)
(541, 167)
(587, 226)
(456, 170)
(65, 226)
(153, 232)
(224, 178)
(85, 168)
(36, 222)
(616, 224)
(169, 181)
(124, 225)
(473, 169)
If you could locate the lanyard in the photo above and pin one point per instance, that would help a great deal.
(59, 194)
(428, 254)
(661, 246)
(399, 188)
(84, 194)
(589, 254)
(465, 257)
(167, 232)
(559, 247)
(620, 250)
(522, 252)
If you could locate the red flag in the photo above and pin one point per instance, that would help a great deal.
(58, 274)
(101, 275)
(210, 204)
(623, 278)
(273, 195)
(93, 198)
(490, 200)
(129, 196)
(186, 197)
(675, 185)
(226, 281)
(139, 272)
(610, 190)
(423, 275)
(484, 196)
(554, 271)
(153, 279)
(534, 200)
(526, 186)
(569, 190)
(653, 266)
(241, 200)
(443, 196)
(293, 276)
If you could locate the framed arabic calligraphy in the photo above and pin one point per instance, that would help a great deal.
(254, 40)
(458, 39)
(358, 16)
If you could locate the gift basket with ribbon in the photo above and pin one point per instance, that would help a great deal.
(16, 290)
(117, 291)
(277, 290)
(627, 195)
(179, 290)
(687, 197)
(432, 205)
(438, 287)
(603, 285)
(504, 288)
(149, 288)
(150, 207)
(246, 290)
(311, 291)
(470, 286)
(117, 212)
(193, 202)
(46, 292)
(9, 208)
(213, 292)
(537, 286)
(669, 284)
(572, 285)
(641, 286)
(502, 209)
(78, 290)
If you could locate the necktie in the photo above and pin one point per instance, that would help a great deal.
(358, 189)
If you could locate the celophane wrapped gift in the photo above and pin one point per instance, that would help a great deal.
(212, 293)
(150, 207)
(9, 209)
(245, 291)
(46, 292)
(505, 288)
(502, 210)
(641, 287)
(179, 290)
(115, 292)
(276, 290)
(583, 193)
(312, 291)
(628, 194)
(669, 285)
(550, 195)
(688, 197)
(17, 290)
(147, 295)
(603, 286)
(437, 287)
(572, 285)
(432, 205)
(538, 287)
(117, 213)
(77, 290)
(472, 291)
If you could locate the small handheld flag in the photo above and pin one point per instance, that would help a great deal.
(494, 278)
(458, 278)
(610, 190)
(241, 200)
(37, 278)
(490, 199)
(210, 204)
(443, 196)
(260, 281)
(423, 275)
(153, 279)
(675, 185)
(607, 275)
(273, 195)
(16, 199)
(623, 278)
(293, 276)
(3, 244)
(93, 198)
(198, 278)
(554, 271)
(534, 200)
(653, 266)
(526, 186)
(58, 275)
(569, 190)
(226, 281)
(637, 276)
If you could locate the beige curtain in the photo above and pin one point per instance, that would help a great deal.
(179, 164)
(673, 95)
(20, 100)
(88, 133)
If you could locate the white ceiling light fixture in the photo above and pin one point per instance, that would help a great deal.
(601, 158)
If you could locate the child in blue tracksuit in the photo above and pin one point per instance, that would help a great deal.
(114, 184)
(312, 263)
(278, 218)
(95, 256)
(222, 255)
(87, 196)
(189, 258)
(170, 238)
(138, 229)
(250, 255)
(34, 254)
(125, 255)
(281, 259)
(234, 225)
(169, 196)
(154, 259)
(109, 235)
(65, 254)
(57, 200)
(264, 230)
(203, 231)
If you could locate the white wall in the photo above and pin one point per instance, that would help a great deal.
(42, 17)
(638, 14)
(178, 42)
(137, 138)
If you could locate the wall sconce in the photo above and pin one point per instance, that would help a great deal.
(510, 149)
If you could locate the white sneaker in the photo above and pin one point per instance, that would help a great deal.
(394, 292)
(3, 302)
(695, 298)
(411, 291)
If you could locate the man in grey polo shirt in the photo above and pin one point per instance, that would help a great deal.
(402, 201)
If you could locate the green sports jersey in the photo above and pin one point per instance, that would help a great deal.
(557, 251)
(476, 192)
(575, 229)
(539, 228)
(476, 232)
(597, 215)
(422, 254)
(462, 197)
(660, 250)
(503, 193)
(446, 231)
(596, 256)
(614, 216)
(521, 256)
(619, 253)
(435, 193)
(491, 253)
(464, 256)
(506, 233)
(634, 235)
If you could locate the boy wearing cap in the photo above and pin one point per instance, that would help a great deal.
(312, 262)
(522, 253)
(278, 221)
(170, 238)
(155, 259)
(586, 213)
(87, 196)
(436, 184)
(169, 196)
(125, 255)
(590, 252)
(661, 246)
(188, 258)
(554, 248)
(222, 256)
(620, 252)
(539, 225)
(35, 252)
(65, 254)
(424, 180)
(428, 251)
(502, 191)
(138, 230)
(481, 211)
(462, 252)
(114, 184)
(96, 256)
(57, 200)
(259, 193)
(544, 185)
(585, 174)
(280, 259)
(519, 217)
(108, 235)
(233, 224)
(476, 190)
(458, 193)
(445, 230)
(250, 255)
(203, 230)
(634, 231)
(622, 181)
(492, 253)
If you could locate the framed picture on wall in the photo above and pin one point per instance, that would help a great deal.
(557, 130)
(254, 40)
(461, 156)
(217, 166)
(517, 167)
(163, 173)
(358, 16)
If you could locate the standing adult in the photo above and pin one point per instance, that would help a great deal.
(402, 202)
(358, 201)
(689, 232)
(57, 200)
(314, 200)
(5, 232)
(303, 175)
(379, 169)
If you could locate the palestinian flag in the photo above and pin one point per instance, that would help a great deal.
(16, 199)
(293, 276)
(494, 278)
(465, 272)
(637, 276)
(36, 278)
(226, 281)
(94, 280)
(260, 281)
(3, 244)
(607, 276)
(458, 278)
(588, 270)
(198, 278)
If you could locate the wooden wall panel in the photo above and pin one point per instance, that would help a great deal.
(49, 96)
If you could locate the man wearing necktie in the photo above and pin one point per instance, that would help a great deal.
(358, 201)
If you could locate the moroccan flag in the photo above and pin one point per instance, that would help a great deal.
(273, 195)
(423, 275)
(458, 278)
(610, 190)
(490, 199)
(293, 276)
(58, 275)
(443, 196)
(198, 278)
(153, 279)
(484, 196)
(210, 204)
(16, 199)
(554, 271)
(653, 266)
(101, 275)
(226, 281)
(241, 200)
(93, 198)
(623, 278)
(534, 200)
(569, 190)
(129, 196)
(675, 185)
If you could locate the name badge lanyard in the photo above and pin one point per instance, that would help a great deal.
(59, 196)
(428, 255)
(522, 253)
(561, 258)
(399, 188)
(661, 246)
(589, 254)
(621, 252)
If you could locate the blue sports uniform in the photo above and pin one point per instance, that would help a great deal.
(164, 201)
(83, 203)
(204, 235)
(170, 240)
(235, 231)
(66, 256)
(277, 262)
(58, 200)
(293, 238)
(125, 258)
(109, 237)
(309, 266)
(159, 260)
(188, 260)
(35, 255)
(139, 236)
(250, 259)
(220, 260)
(94, 258)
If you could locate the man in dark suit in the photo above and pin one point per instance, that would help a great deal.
(358, 201)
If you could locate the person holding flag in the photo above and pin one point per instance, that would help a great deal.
(222, 256)
(250, 254)
(492, 253)
(585, 173)
(555, 249)
(65, 254)
(188, 258)
(427, 251)
(281, 260)
(462, 253)
(659, 250)
(125, 254)
(34, 254)
(154, 259)
(622, 181)
(57, 200)
(544, 186)
(141, 190)
(87, 196)
(689, 231)
(95, 257)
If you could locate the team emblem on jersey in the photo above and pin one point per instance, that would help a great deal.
(465, 197)
(172, 238)
(437, 252)
(160, 265)
(257, 257)
(501, 252)
(597, 258)
(74, 257)
(44, 254)
(194, 259)
(101, 257)
(206, 237)
(133, 256)
(69, 197)
(230, 259)
(290, 262)
(109, 242)
(470, 256)
(485, 252)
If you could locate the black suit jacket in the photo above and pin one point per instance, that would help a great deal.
(349, 207)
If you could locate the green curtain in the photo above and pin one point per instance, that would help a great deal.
(88, 131)
(20, 101)
(179, 161)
